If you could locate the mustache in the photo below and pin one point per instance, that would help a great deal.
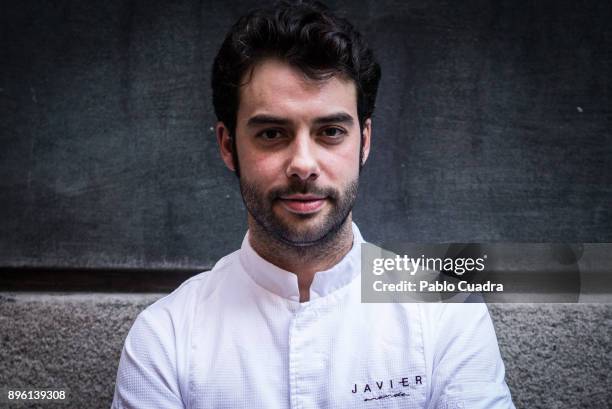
(298, 187)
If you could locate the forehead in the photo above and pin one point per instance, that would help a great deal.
(275, 87)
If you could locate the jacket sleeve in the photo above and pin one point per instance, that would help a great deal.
(467, 369)
(147, 375)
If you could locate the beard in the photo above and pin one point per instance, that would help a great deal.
(308, 229)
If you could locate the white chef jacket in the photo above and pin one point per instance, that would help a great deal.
(238, 337)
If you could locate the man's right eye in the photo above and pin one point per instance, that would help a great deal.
(270, 134)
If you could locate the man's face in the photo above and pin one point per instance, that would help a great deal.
(297, 143)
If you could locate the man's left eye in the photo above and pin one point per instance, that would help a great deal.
(333, 132)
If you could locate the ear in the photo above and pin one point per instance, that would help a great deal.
(366, 135)
(224, 139)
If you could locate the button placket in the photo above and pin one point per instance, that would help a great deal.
(301, 368)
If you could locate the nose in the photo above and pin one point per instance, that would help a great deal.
(303, 162)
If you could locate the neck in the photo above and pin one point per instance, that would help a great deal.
(303, 261)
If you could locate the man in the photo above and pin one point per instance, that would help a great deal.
(279, 323)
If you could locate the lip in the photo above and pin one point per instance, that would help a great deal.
(302, 204)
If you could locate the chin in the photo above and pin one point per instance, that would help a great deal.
(309, 233)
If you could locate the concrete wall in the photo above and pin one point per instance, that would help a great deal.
(556, 356)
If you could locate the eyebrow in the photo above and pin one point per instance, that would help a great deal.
(263, 119)
(339, 117)
(267, 120)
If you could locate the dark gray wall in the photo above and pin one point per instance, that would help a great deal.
(493, 124)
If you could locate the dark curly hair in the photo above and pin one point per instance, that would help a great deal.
(304, 34)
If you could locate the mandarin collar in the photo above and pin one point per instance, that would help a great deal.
(285, 284)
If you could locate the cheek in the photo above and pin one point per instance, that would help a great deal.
(261, 169)
(343, 164)
(252, 163)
